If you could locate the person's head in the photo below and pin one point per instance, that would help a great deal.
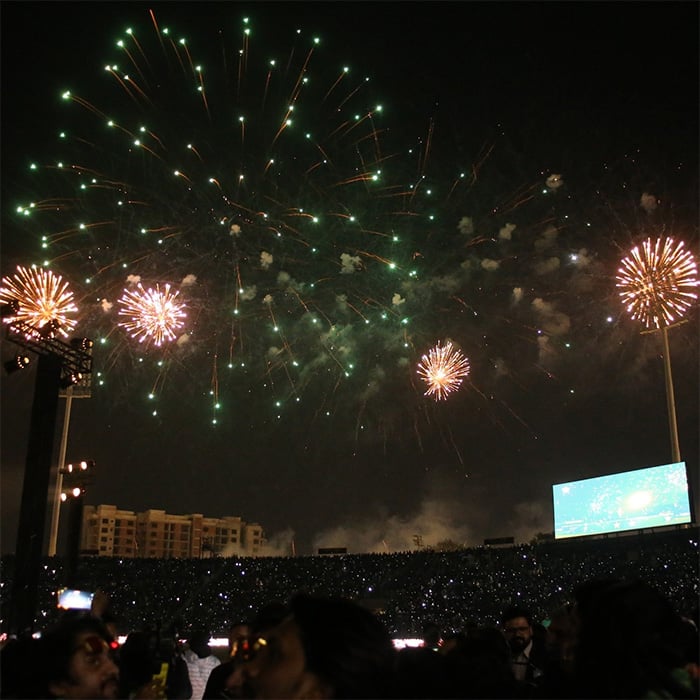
(77, 659)
(237, 634)
(432, 635)
(325, 648)
(137, 661)
(517, 627)
(480, 665)
(632, 626)
(421, 672)
(18, 672)
(244, 648)
(452, 642)
(561, 635)
(198, 641)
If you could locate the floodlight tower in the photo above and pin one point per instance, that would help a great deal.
(60, 365)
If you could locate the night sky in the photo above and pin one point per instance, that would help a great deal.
(521, 151)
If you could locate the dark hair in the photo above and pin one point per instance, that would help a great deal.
(57, 645)
(346, 645)
(513, 611)
(137, 661)
(422, 673)
(631, 626)
(268, 616)
(479, 666)
(18, 671)
(198, 641)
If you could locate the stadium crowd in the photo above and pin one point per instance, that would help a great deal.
(479, 611)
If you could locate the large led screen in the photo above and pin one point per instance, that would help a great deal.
(643, 498)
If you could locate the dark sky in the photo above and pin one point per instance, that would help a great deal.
(519, 275)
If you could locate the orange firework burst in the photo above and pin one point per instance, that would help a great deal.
(42, 298)
(657, 282)
(443, 370)
(151, 314)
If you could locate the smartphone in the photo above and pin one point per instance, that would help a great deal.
(71, 599)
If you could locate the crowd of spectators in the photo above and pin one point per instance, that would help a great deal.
(453, 590)
(605, 618)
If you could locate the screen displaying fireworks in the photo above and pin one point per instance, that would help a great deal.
(443, 369)
(657, 282)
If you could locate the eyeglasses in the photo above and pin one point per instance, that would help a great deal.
(513, 630)
(93, 644)
(96, 650)
(247, 648)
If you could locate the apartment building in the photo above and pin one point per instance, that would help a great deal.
(110, 532)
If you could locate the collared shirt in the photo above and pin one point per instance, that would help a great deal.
(520, 662)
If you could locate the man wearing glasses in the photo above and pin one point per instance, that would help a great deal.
(528, 655)
(77, 657)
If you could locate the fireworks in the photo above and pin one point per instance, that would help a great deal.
(443, 370)
(260, 189)
(151, 315)
(657, 282)
(297, 221)
(43, 299)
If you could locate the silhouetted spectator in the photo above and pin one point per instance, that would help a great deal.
(432, 635)
(558, 680)
(631, 643)
(479, 666)
(326, 648)
(421, 672)
(200, 662)
(18, 668)
(238, 637)
(138, 664)
(267, 618)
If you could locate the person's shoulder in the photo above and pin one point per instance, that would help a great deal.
(189, 656)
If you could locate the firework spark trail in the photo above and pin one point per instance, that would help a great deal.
(276, 182)
(151, 315)
(162, 232)
(656, 282)
(443, 370)
(43, 298)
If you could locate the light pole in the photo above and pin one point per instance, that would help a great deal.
(79, 475)
(657, 283)
(80, 469)
(670, 398)
(75, 391)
